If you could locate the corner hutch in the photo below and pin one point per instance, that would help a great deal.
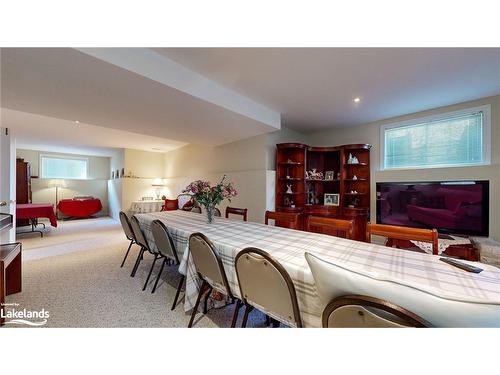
(325, 181)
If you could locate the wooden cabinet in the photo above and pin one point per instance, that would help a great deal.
(342, 192)
(23, 186)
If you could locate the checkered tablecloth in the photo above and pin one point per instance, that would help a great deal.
(288, 246)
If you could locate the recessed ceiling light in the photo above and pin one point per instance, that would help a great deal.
(356, 100)
(77, 122)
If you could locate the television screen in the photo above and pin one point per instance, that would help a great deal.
(453, 207)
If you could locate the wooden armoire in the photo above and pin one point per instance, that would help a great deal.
(23, 186)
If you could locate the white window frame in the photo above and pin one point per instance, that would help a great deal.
(486, 141)
(66, 157)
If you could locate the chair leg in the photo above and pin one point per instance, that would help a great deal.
(126, 254)
(179, 287)
(159, 275)
(205, 303)
(138, 260)
(149, 274)
(235, 314)
(203, 289)
(248, 308)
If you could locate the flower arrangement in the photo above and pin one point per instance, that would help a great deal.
(210, 196)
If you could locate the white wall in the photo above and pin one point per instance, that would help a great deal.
(8, 181)
(96, 185)
(370, 133)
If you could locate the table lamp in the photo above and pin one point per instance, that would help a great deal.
(158, 184)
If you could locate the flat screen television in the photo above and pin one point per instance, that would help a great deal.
(452, 207)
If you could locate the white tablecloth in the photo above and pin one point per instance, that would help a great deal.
(288, 246)
(141, 207)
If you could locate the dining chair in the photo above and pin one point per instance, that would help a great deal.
(237, 211)
(400, 237)
(143, 243)
(127, 229)
(267, 286)
(185, 201)
(357, 311)
(166, 248)
(210, 270)
(217, 212)
(331, 226)
(283, 219)
(196, 210)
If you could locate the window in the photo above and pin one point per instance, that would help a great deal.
(63, 167)
(448, 140)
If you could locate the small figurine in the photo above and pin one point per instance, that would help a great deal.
(349, 160)
(338, 176)
(289, 189)
(355, 177)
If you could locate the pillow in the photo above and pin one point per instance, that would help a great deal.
(333, 281)
(170, 204)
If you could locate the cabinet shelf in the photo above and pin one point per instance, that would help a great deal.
(354, 193)
(285, 193)
(309, 180)
(359, 179)
(291, 179)
(356, 165)
(293, 163)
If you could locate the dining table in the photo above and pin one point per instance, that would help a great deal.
(288, 246)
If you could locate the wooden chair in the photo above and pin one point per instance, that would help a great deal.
(129, 233)
(266, 285)
(237, 211)
(334, 227)
(210, 270)
(396, 234)
(357, 311)
(168, 252)
(283, 219)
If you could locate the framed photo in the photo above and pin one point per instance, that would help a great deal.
(332, 199)
(329, 176)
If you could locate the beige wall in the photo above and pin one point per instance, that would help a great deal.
(370, 133)
(95, 185)
(143, 164)
(249, 163)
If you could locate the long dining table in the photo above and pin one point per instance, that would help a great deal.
(288, 246)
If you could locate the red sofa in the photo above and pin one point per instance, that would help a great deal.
(459, 210)
(79, 207)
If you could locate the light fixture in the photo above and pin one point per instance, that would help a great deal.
(356, 99)
(77, 122)
(158, 184)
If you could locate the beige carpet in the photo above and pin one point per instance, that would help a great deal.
(74, 273)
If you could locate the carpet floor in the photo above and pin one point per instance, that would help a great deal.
(74, 273)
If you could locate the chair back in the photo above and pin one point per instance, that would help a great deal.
(393, 233)
(208, 263)
(237, 211)
(357, 311)
(217, 212)
(334, 227)
(283, 219)
(196, 209)
(127, 229)
(138, 233)
(163, 240)
(266, 285)
(183, 200)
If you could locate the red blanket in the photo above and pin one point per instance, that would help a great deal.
(36, 211)
(79, 207)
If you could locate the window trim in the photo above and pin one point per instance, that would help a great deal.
(66, 157)
(486, 141)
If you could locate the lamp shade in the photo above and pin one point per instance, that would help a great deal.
(57, 182)
(158, 182)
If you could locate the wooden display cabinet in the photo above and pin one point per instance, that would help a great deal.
(351, 182)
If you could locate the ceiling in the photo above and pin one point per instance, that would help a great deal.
(69, 84)
(313, 88)
(163, 98)
(36, 132)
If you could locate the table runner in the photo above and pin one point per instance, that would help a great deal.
(288, 246)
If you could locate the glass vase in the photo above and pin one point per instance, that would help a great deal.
(210, 209)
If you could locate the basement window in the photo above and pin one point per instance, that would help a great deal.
(52, 166)
(448, 140)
